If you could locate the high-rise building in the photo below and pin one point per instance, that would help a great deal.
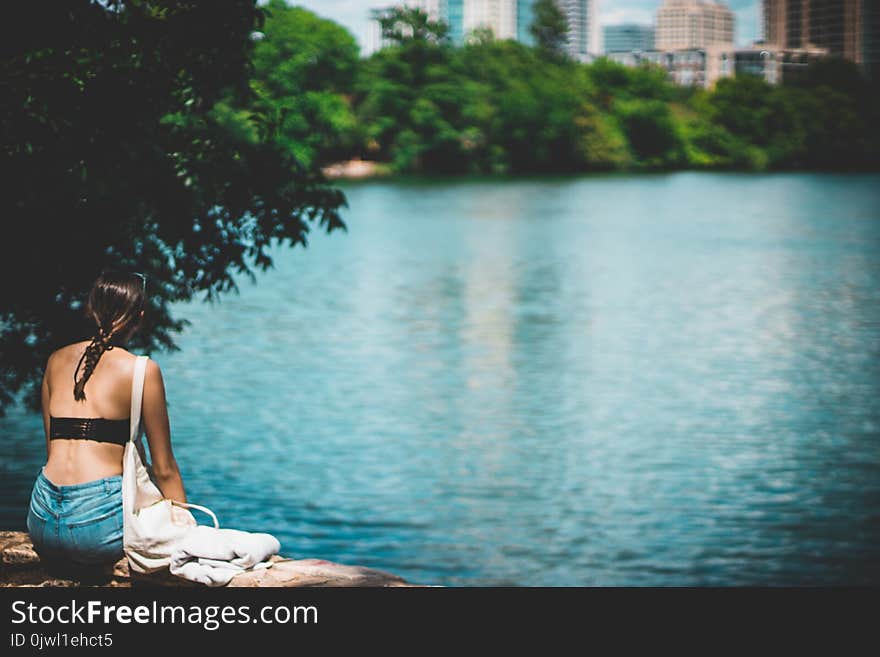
(499, 16)
(584, 32)
(685, 24)
(694, 67)
(842, 27)
(775, 23)
(525, 15)
(452, 11)
(871, 38)
(628, 37)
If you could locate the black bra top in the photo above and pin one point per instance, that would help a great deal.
(87, 428)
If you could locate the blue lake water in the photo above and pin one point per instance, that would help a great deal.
(614, 380)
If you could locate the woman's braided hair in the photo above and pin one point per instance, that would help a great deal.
(115, 303)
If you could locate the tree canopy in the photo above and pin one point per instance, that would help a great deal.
(131, 139)
(549, 27)
(498, 106)
(400, 24)
(303, 68)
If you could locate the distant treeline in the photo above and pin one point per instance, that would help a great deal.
(423, 105)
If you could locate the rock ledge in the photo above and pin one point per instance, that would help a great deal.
(20, 566)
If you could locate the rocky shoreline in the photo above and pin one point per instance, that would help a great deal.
(355, 169)
(20, 567)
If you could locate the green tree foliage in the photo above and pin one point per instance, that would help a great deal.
(490, 106)
(304, 67)
(822, 120)
(839, 111)
(498, 106)
(771, 122)
(646, 82)
(129, 140)
(401, 24)
(652, 131)
(408, 100)
(549, 28)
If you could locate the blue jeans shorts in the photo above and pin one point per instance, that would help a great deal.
(78, 525)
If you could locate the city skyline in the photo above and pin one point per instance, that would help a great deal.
(355, 15)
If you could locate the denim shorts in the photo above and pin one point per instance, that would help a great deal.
(77, 525)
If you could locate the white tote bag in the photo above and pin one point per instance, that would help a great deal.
(152, 524)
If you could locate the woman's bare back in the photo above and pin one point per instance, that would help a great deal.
(108, 396)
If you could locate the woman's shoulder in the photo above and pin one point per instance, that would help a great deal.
(73, 351)
(65, 354)
(68, 350)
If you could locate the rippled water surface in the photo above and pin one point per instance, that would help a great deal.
(653, 380)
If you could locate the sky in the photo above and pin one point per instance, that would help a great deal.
(354, 14)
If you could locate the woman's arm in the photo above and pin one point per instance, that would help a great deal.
(44, 396)
(155, 417)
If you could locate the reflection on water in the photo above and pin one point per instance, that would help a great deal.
(650, 380)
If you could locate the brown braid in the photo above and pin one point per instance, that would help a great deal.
(99, 344)
(115, 303)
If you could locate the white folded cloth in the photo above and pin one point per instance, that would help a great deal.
(214, 556)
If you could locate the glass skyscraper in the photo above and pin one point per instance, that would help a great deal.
(452, 11)
(524, 16)
(584, 35)
(628, 37)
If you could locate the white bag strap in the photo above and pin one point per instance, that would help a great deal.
(203, 509)
(137, 395)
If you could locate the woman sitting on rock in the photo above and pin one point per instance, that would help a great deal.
(75, 517)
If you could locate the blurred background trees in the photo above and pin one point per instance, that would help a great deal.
(304, 68)
(549, 28)
(490, 106)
